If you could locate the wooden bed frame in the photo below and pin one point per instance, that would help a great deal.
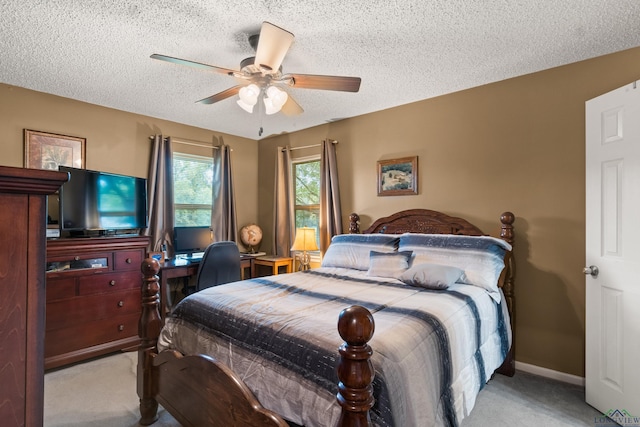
(197, 390)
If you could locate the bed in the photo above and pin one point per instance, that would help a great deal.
(441, 294)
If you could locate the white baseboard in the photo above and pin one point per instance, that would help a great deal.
(550, 373)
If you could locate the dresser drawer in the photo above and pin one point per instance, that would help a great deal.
(74, 263)
(128, 260)
(66, 313)
(60, 288)
(109, 282)
(83, 335)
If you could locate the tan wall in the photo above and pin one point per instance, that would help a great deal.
(117, 141)
(514, 145)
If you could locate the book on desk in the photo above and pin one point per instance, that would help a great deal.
(252, 254)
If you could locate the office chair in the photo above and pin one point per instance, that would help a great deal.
(220, 264)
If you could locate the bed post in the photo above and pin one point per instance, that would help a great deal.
(148, 330)
(354, 223)
(355, 370)
(506, 234)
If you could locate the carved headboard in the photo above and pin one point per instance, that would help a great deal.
(417, 221)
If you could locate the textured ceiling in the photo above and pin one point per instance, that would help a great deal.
(98, 51)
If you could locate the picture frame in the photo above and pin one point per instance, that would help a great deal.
(158, 256)
(398, 177)
(44, 150)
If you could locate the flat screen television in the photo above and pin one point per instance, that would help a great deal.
(100, 201)
(188, 240)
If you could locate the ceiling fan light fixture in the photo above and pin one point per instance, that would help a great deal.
(248, 97)
(274, 100)
(246, 107)
(269, 108)
(249, 94)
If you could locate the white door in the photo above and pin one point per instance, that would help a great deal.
(613, 246)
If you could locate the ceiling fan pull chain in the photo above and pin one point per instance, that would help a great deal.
(261, 111)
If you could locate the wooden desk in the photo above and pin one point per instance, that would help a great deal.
(184, 268)
(174, 269)
(274, 262)
(247, 261)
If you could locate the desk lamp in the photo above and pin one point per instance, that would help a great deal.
(305, 241)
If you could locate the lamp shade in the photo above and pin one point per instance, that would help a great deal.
(248, 97)
(305, 240)
(249, 94)
(274, 99)
(246, 107)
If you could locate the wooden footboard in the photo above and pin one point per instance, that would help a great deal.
(198, 391)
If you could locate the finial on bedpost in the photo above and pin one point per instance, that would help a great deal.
(355, 370)
(354, 223)
(148, 331)
(506, 233)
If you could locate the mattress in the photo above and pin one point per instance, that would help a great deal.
(434, 350)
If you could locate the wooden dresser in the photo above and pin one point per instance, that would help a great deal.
(93, 297)
(23, 222)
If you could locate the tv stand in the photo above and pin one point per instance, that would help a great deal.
(93, 299)
(99, 233)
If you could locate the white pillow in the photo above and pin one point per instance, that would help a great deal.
(480, 257)
(352, 250)
(388, 264)
(431, 276)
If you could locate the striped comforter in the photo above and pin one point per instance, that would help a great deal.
(433, 350)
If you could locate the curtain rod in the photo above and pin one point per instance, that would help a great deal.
(191, 142)
(307, 146)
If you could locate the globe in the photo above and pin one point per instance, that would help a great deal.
(251, 236)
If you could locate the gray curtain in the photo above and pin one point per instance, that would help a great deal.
(283, 216)
(330, 209)
(223, 209)
(160, 195)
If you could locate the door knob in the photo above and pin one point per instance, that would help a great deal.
(592, 270)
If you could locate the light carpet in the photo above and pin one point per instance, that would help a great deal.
(102, 392)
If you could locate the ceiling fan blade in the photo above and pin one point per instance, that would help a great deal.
(273, 44)
(221, 95)
(291, 107)
(310, 81)
(193, 64)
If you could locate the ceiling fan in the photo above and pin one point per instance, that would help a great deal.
(261, 78)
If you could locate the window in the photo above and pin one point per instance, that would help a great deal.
(306, 178)
(192, 182)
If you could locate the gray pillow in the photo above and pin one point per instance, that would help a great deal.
(352, 250)
(388, 264)
(431, 276)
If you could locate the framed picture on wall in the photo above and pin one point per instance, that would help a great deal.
(44, 150)
(398, 176)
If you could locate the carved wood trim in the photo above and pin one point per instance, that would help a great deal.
(149, 331)
(422, 221)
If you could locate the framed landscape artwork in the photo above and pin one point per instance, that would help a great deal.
(49, 150)
(398, 176)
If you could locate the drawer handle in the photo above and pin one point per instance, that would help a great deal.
(120, 303)
(129, 260)
(112, 283)
(121, 328)
(76, 258)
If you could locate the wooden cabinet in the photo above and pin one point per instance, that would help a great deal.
(22, 291)
(93, 297)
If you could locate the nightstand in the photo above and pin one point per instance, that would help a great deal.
(275, 262)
